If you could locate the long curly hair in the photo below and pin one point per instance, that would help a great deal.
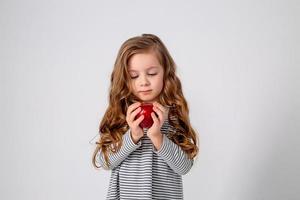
(113, 124)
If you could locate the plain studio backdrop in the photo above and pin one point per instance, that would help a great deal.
(238, 62)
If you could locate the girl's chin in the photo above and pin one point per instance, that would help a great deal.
(146, 99)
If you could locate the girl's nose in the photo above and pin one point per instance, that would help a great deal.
(144, 81)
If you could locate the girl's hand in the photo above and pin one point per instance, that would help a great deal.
(136, 131)
(154, 132)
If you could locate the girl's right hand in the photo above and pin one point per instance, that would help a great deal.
(136, 131)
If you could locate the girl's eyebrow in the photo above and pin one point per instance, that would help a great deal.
(147, 68)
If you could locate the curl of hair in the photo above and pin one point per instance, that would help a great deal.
(113, 124)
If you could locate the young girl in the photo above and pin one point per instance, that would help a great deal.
(145, 163)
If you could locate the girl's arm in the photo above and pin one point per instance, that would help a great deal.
(175, 157)
(115, 159)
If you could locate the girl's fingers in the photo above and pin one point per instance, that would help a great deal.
(159, 106)
(165, 110)
(155, 119)
(132, 107)
(134, 113)
(139, 120)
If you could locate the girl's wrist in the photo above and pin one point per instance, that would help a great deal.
(157, 141)
(135, 140)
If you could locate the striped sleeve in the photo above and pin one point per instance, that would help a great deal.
(174, 156)
(115, 159)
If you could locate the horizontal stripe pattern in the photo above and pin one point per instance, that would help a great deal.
(139, 171)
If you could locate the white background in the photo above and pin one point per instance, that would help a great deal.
(238, 62)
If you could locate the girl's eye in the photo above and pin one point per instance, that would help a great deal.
(134, 77)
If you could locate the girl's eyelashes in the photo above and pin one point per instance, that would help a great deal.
(134, 77)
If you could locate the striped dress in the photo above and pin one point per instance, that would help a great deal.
(139, 171)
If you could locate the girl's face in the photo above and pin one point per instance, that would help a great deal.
(146, 75)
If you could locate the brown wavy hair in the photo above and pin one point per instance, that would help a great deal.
(113, 124)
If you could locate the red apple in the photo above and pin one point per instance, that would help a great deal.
(146, 109)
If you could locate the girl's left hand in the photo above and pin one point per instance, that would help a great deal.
(162, 112)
